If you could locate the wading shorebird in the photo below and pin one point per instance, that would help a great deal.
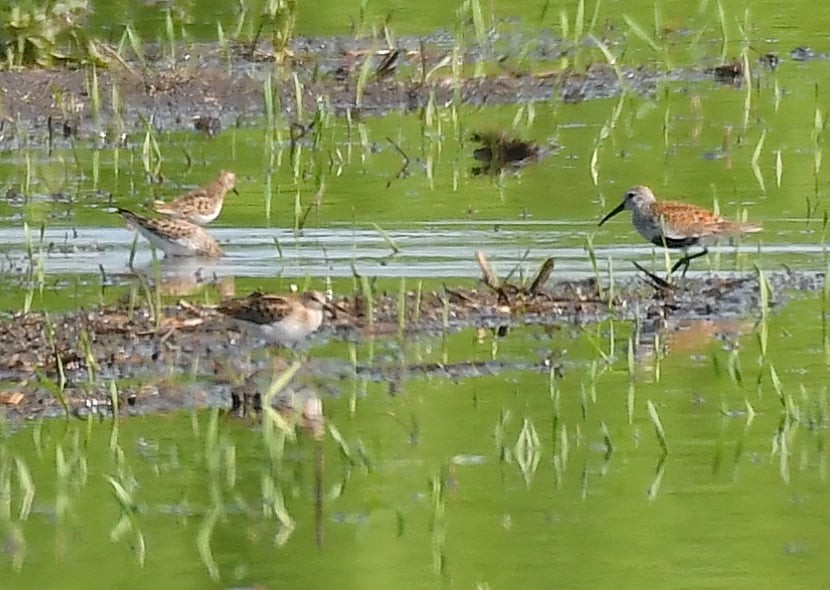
(279, 319)
(175, 237)
(202, 205)
(677, 225)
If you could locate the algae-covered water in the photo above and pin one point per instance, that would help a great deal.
(574, 454)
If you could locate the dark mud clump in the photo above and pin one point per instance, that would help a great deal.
(499, 151)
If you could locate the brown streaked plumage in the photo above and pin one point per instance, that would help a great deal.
(677, 225)
(280, 319)
(202, 205)
(175, 237)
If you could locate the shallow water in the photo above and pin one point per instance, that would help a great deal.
(542, 464)
(432, 252)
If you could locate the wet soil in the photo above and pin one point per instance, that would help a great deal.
(192, 356)
(209, 88)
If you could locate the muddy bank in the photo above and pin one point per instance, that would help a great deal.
(191, 356)
(210, 88)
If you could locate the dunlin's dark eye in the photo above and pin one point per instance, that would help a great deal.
(630, 195)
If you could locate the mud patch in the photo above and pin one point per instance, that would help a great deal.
(191, 356)
(208, 89)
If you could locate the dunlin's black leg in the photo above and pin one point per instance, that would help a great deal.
(684, 262)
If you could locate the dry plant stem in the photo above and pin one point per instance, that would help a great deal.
(542, 276)
(653, 280)
(487, 274)
(315, 202)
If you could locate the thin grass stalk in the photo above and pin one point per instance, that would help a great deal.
(170, 32)
(27, 488)
(724, 48)
(733, 366)
(779, 168)
(298, 97)
(27, 183)
(641, 34)
(59, 387)
(402, 306)
(417, 305)
(268, 100)
(592, 257)
(747, 71)
(595, 345)
(658, 426)
(759, 147)
(95, 97)
(363, 78)
(610, 292)
(224, 45)
(366, 292)
(136, 44)
(658, 357)
(387, 239)
(30, 270)
(579, 22)
(658, 21)
(203, 539)
(298, 211)
(825, 310)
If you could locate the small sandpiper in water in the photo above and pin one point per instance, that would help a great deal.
(279, 319)
(175, 237)
(202, 205)
(677, 225)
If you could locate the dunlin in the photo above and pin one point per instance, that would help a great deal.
(201, 205)
(677, 225)
(175, 237)
(280, 319)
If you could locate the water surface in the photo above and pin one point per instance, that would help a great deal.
(514, 477)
